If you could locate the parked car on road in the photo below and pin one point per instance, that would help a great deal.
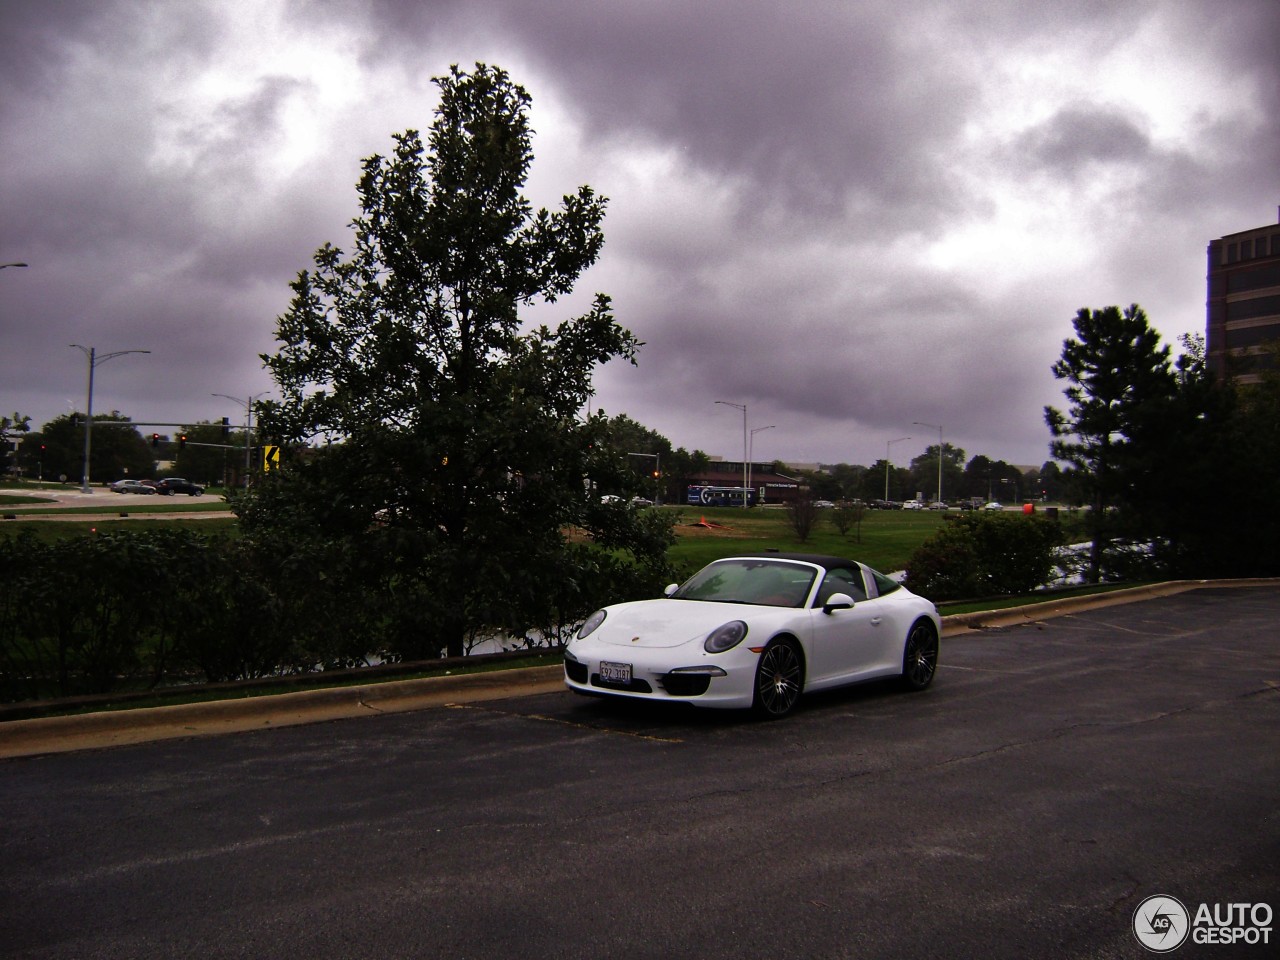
(133, 486)
(757, 631)
(994, 505)
(912, 505)
(171, 485)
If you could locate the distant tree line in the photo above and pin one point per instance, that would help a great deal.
(213, 455)
(981, 478)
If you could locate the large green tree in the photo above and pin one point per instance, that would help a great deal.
(213, 455)
(11, 430)
(924, 470)
(1117, 372)
(1203, 485)
(449, 432)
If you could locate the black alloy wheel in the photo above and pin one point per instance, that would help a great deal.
(920, 656)
(779, 680)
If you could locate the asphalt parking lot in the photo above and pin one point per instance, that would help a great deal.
(1057, 774)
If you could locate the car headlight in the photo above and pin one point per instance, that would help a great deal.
(592, 623)
(725, 637)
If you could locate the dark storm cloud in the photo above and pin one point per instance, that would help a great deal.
(1077, 137)
(850, 216)
(809, 102)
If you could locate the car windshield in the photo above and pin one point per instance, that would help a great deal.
(770, 583)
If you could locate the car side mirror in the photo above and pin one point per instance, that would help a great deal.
(671, 588)
(837, 601)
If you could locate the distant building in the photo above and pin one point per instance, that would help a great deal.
(766, 485)
(1243, 306)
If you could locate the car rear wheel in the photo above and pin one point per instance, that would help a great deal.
(779, 680)
(920, 656)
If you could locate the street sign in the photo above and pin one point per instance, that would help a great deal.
(270, 459)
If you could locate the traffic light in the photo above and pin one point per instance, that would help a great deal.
(155, 439)
(182, 441)
(226, 428)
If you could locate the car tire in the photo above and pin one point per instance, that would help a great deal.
(920, 656)
(779, 680)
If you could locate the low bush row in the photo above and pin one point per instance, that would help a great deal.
(135, 610)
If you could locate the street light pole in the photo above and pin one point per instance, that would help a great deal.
(92, 354)
(751, 451)
(938, 427)
(887, 447)
(745, 455)
(248, 427)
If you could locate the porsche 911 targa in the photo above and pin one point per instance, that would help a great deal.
(757, 632)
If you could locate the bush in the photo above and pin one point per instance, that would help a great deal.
(133, 610)
(92, 614)
(981, 555)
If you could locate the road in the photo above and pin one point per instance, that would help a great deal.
(111, 505)
(1054, 776)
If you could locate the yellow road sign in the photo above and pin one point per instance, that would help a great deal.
(270, 459)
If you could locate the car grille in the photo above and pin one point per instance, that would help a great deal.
(675, 684)
(685, 684)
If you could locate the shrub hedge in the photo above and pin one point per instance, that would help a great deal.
(983, 555)
(135, 610)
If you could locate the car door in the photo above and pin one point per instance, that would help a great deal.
(851, 643)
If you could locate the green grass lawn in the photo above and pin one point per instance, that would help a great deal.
(26, 503)
(128, 503)
(886, 540)
(888, 537)
(25, 499)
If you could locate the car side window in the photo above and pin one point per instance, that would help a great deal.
(841, 580)
(884, 585)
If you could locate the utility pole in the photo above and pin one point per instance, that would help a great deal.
(91, 354)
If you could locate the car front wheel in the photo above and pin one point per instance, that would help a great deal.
(779, 680)
(920, 656)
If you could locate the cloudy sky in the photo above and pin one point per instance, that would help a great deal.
(848, 216)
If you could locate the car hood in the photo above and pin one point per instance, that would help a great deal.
(670, 623)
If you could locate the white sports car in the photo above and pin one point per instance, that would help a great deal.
(758, 631)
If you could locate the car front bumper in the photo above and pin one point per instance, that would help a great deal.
(655, 675)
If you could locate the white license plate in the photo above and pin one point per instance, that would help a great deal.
(615, 672)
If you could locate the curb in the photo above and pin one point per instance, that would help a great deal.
(959, 624)
(45, 735)
(21, 738)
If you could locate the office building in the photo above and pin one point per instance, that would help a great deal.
(1243, 308)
